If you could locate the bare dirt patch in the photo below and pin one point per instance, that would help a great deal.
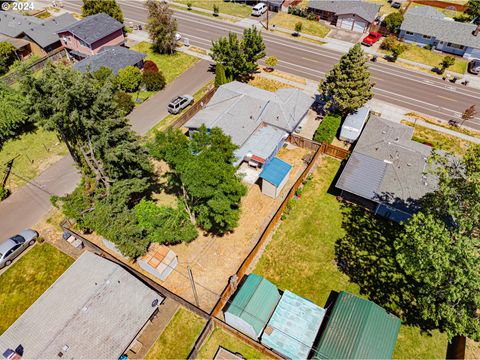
(214, 259)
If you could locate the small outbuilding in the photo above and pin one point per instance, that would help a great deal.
(274, 177)
(252, 305)
(293, 327)
(159, 261)
(357, 329)
(353, 125)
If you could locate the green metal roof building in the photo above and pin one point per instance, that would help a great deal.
(252, 305)
(357, 329)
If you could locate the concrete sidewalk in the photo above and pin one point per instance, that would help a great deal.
(26, 206)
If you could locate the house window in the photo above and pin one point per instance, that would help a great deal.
(455, 46)
(409, 33)
(426, 37)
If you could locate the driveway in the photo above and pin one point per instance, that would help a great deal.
(27, 206)
(146, 116)
(345, 35)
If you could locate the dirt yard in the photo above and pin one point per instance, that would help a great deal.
(214, 259)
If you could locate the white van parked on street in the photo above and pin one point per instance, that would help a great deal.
(259, 9)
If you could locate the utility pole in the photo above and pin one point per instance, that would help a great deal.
(194, 289)
(268, 10)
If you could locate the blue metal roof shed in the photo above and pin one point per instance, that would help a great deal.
(293, 327)
(274, 175)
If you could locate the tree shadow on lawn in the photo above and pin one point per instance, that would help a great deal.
(367, 255)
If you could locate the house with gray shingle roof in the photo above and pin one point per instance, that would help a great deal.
(258, 121)
(113, 57)
(41, 34)
(89, 35)
(94, 310)
(423, 25)
(354, 15)
(387, 171)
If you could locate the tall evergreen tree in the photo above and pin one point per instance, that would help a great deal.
(109, 7)
(86, 117)
(347, 86)
(161, 26)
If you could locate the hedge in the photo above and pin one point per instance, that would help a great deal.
(327, 130)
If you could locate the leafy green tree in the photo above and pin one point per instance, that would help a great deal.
(13, 113)
(473, 8)
(203, 176)
(153, 81)
(438, 249)
(239, 57)
(109, 7)
(102, 74)
(347, 86)
(220, 77)
(124, 102)
(271, 62)
(396, 51)
(7, 56)
(389, 42)
(298, 27)
(253, 47)
(328, 128)
(443, 267)
(129, 79)
(161, 26)
(446, 63)
(393, 22)
(165, 225)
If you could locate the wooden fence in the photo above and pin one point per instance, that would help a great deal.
(145, 279)
(37, 65)
(195, 108)
(325, 148)
(334, 151)
(214, 323)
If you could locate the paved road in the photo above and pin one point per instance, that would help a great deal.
(25, 207)
(407, 88)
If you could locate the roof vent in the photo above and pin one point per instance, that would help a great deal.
(65, 348)
(397, 138)
(60, 354)
(409, 164)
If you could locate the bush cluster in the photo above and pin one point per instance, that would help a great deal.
(153, 81)
(302, 13)
(124, 102)
(328, 128)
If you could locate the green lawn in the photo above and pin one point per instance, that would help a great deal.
(225, 7)
(221, 338)
(301, 257)
(431, 58)
(310, 27)
(170, 65)
(33, 152)
(386, 8)
(439, 140)
(177, 339)
(27, 279)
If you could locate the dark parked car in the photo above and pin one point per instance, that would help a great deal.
(179, 103)
(14, 246)
(474, 66)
